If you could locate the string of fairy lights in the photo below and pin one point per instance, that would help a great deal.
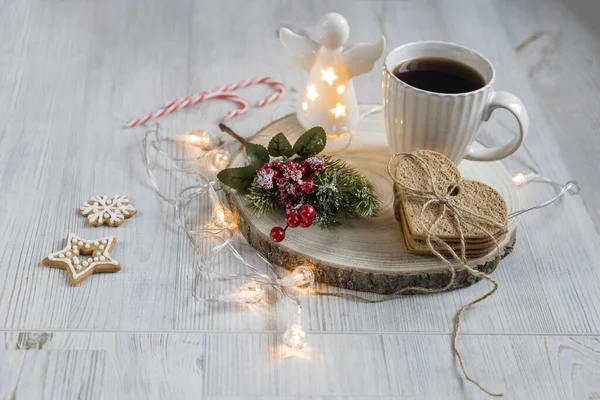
(220, 236)
(218, 230)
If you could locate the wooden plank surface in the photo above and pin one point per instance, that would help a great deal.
(71, 72)
(192, 365)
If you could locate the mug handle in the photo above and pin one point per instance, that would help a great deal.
(513, 104)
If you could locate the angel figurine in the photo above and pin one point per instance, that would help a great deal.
(329, 99)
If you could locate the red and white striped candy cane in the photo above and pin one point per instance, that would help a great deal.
(278, 86)
(174, 106)
(187, 101)
(242, 104)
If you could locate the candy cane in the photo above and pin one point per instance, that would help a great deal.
(174, 106)
(188, 101)
(243, 104)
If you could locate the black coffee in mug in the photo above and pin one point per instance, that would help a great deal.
(439, 75)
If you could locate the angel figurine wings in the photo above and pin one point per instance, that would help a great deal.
(329, 99)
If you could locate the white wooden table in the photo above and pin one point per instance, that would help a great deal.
(72, 71)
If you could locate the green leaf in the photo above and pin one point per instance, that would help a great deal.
(257, 154)
(311, 142)
(279, 146)
(238, 178)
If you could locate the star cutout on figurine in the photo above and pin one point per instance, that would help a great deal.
(328, 76)
(339, 110)
(81, 258)
(311, 92)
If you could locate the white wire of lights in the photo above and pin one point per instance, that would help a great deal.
(521, 179)
(255, 281)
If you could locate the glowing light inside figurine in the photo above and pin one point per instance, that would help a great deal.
(311, 92)
(329, 94)
(339, 110)
(328, 76)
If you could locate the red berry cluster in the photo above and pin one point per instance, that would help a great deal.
(304, 218)
(293, 181)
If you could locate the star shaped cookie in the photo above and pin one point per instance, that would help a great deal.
(81, 258)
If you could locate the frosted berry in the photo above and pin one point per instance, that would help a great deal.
(291, 170)
(277, 234)
(288, 189)
(304, 169)
(280, 181)
(306, 214)
(315, 163)
(291, 206)
(283, 198)
(293, 220)
(308, 186)
(298, 189)
(276, 165)
(266, 176)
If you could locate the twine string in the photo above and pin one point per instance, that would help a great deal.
(460, 217)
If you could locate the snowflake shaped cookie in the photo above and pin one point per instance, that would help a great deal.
(81, 258)
(111, 211)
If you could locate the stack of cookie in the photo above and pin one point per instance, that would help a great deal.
(475, 203)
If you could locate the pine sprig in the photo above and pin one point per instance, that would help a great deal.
(261, 201)
(342, 192)
(297, 178)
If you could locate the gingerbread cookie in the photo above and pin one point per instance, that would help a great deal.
(482, 212)
(81, 258)
(111, 211)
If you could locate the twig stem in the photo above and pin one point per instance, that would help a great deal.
(234, 135)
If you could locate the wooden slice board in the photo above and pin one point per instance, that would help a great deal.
(367, 254)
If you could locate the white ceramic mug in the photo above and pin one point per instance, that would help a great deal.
(447, 123)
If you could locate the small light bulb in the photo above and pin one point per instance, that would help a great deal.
(221, 159)
(196, 137)
(295, 337)
(304, 105)
(301, 277)
(221, 216)
(249, 293)
(341, 89)
(252, 292)
(519, 178)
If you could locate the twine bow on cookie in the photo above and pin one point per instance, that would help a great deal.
(460, 217)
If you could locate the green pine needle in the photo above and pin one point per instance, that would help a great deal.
(261, 201)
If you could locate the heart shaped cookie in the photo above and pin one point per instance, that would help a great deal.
(482, 212)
